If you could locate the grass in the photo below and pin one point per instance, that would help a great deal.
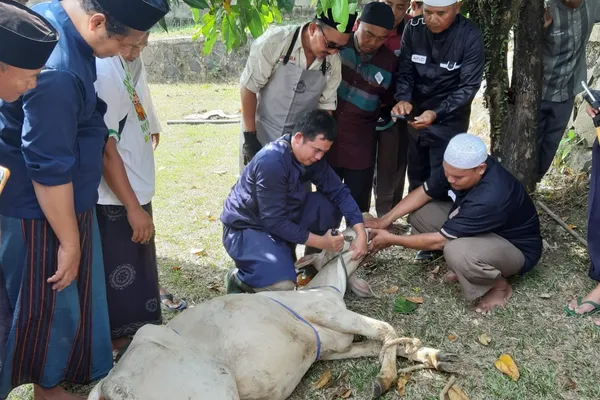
(196, 167)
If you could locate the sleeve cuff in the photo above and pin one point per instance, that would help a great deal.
(249, 84)
(444, 232)
(44, 179)
(114, 134)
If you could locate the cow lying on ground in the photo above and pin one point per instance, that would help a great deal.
(259, 346)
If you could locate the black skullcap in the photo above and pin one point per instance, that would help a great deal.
(140, 15)
(379, 14)
(327, 19)
(26, 38)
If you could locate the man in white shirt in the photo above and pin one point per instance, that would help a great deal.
(125, 196)
(290, 71)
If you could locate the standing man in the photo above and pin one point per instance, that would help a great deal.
(367, 69)
(269, 212)
(392, 136)
(568, 25)
(290, 70)
(54, 322)
(416, 8)
(26, 41)
(441, 68)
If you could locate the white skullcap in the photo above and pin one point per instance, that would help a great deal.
(465, 151)
(439, 3)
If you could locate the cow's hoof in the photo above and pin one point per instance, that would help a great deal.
(448, 362)
(377, 390)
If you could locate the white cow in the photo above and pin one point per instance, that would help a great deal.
(259, 346)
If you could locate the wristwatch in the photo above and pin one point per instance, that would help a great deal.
(250, 132)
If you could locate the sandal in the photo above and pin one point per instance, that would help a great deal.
(573, 313)
(167, 298)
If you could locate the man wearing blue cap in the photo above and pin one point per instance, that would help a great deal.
(54, 322)
(488, 232)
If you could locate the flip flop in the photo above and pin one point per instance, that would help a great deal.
(573, 313)
(182, 305)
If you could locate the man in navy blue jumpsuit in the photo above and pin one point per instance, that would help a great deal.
(268, 211)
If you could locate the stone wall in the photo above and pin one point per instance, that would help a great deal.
(176, 60)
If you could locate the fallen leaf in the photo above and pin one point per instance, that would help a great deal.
(545, 295)
(198, 252)
(343, 393)
(456, 393)
(403, 306)
(506, 365)
(216, 287)
(161, 168)
(571, 385)
(211, 218)
(401, 384)
(452, 337)
(220, 172)
(436, 270)
(391, 290)
(323, 380)
(485, 339)
(416, 300)
(176, 268)
(571, 226)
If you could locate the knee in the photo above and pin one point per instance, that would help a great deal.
(456, 255)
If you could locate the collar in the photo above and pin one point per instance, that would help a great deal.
(298, 45)
(67, 25)
(287, 140)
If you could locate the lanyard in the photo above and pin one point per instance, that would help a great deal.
(136, 101)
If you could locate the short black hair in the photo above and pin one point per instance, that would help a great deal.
(316, 122)
(113, 27)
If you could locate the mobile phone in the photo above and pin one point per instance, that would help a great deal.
(402, 117)
(4, 175)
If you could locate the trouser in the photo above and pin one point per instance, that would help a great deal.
(478, 261)
(553, 118)
(593, 235)
(392, 155)
(425, 156)
(264, 260)
(360, 183)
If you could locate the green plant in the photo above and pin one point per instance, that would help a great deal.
(565, 147)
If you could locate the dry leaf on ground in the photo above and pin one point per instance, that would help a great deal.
(436, 270)
(416, 300)
(456, 393)
(571, 226)
(485, 339)
(344, 393)
(545, 295)
(391, 290)
(401, 384)
(198, 252)
(506, 365)
(176, 268)
(323, 380)
(452, 337)
(571, 385)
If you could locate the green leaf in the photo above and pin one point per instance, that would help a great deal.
(286, 5)
(276, 14)
(340, 13)
(255, 23)
(403, 306)
(195, 14)
(208, 21)
(200, 4)
(163, 24)
(229, 33)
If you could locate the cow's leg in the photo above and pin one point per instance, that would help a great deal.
(345, 321)
(437, 359)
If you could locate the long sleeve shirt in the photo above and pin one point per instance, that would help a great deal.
(270, 193)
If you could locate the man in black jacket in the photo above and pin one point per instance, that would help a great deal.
(441, 67)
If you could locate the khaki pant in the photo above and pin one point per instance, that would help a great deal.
(478, 261)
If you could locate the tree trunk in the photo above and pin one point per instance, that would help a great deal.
(515, 146)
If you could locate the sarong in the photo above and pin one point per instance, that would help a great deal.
(131, 273)
(49, 337)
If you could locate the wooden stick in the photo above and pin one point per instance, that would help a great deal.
(413, 368)
(447, 387)
(562, 223)
(203, 121)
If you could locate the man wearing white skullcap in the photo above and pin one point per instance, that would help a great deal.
(488, 232)
(440, 71)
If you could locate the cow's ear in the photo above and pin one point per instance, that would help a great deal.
(306, 260)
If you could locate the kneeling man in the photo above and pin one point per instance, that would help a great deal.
(489, 231)
(268, 211)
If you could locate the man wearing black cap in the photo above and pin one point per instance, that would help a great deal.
(52, 140)
(290, 70)
(26, 41)
(367, 68)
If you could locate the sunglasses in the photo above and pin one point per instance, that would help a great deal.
(328, 44)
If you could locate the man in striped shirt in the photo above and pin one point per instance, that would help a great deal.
(367, 69)
(568, 25)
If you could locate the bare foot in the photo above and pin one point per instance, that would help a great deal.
(450, 277)
(118, 344)
(55, 393)
(170, 302)
(594, 296)
(497, 296)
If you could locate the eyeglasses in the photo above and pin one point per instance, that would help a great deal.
(328, 44)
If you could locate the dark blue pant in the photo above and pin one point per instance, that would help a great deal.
(262, 259)
(425, 156)
(593, 236)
